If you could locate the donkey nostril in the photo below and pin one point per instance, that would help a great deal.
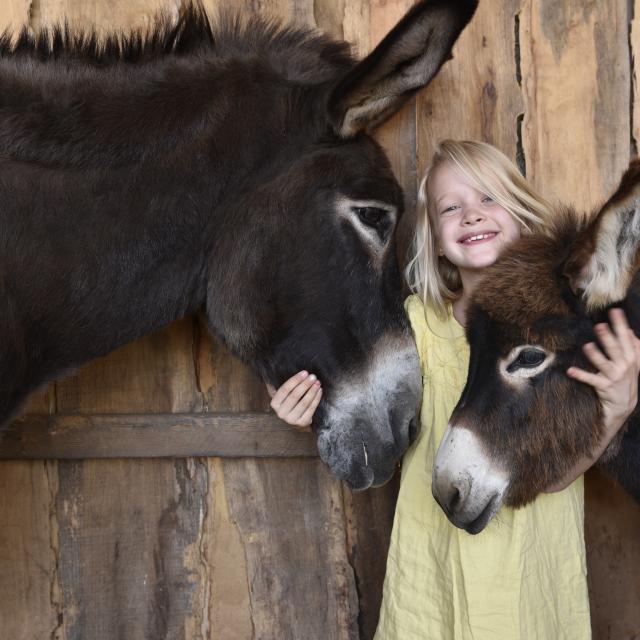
(454, 500)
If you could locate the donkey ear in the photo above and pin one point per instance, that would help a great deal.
(406, 60)
(605, 257)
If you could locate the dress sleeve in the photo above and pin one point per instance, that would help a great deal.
(415, 311)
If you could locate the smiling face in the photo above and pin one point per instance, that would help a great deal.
(471, 227)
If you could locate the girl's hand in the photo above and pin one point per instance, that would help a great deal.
(616, 383)
(296, 400)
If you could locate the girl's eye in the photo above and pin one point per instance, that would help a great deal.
(488, 199)
(449, 209)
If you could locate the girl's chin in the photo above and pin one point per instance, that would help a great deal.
(481, 261)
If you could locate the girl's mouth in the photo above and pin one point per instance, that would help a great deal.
(478, 238)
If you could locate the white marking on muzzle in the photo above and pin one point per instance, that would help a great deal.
(465, 479)
(388, 386)
(369, 393)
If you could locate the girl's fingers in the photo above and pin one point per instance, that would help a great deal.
(598, 359)
(307, 417)
(289, 404)
(596, 380)
(301, 414)
(610, 342)
(285, 389)
(622, 331)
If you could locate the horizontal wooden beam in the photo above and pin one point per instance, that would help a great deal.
(228, 435)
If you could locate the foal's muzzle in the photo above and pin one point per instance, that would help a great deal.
(465, 483)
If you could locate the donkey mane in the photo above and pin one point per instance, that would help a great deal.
(303, 51)
(113, 101)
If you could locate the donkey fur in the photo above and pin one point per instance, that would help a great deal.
(145, 177)
(538, 294)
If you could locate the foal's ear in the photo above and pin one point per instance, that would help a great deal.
(605, 257)
(406, 60)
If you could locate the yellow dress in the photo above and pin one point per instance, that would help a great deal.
(522, 578)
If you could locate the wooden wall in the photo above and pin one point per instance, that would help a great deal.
(248, 535)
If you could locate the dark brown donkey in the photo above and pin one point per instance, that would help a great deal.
(229, 169)
(521, 422)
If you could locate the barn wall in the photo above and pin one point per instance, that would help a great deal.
(255, 539)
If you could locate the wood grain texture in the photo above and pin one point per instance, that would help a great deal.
(115, 15)
(128, 556)
(154, 374)
(154, 435)
(302, 584)
(369, 518)
(14, 14)
(476, 95)
(576, 84)
(30, 588)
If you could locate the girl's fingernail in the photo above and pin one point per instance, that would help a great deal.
(304, 374)
(312, 377)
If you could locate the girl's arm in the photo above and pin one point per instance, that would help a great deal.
(296, 400)
(616, 383)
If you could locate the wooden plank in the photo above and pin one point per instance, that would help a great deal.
(129, 555)
(14, 14)
(476, 95)
(576, 84)
(369, 517)
(30, 592)
(154, 374)
(290, 519)
(154, 435)
(224, 382)
(576, 138)
(114, 15)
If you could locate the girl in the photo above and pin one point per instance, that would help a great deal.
(524, 576)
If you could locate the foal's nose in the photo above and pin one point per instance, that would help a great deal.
(451, 495)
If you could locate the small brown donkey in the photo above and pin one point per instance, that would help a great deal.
(228, 169)
(521, 422)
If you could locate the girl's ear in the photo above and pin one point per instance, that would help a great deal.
(605, 256)
(406, 60)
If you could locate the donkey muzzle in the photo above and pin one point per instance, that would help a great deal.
(465, 482)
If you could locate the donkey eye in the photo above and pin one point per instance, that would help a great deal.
(527, 359)
(371, 216)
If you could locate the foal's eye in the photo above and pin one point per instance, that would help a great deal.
(527, 359)
(371, 216)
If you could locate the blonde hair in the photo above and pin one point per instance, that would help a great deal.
(434, 278)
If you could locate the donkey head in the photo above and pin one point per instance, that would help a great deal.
(521, 423)
(320, 288)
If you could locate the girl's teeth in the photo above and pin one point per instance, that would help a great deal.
(480, 237)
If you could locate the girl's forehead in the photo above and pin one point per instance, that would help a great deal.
(445, 177)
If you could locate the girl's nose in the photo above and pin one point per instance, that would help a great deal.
(471, 215)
